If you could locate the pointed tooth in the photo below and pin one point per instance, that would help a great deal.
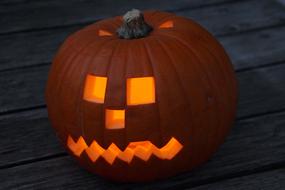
(127, 155)
(157, 152)
(171, 148)
(111, 153)
(71, 143)
(78, 147)
(143, 152)
(94, 151)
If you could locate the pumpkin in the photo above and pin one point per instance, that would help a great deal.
(141, 97)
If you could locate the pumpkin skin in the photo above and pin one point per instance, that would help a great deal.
(195, 94)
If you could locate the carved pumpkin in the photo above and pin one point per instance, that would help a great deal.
(141, 97)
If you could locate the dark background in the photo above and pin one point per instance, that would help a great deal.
(252, 32)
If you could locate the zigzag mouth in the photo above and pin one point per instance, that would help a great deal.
(140, 149)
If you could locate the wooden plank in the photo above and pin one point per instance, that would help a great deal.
(273, 180)
(22, 89)
(238, 17)
(40, 46)
(16, 3)
(246, 50)
(256, 48)
(254, 143)
(261, 91)
(34, 113)
(21, 17)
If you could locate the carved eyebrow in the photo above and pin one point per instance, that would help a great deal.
(104, 33)
(167, 24)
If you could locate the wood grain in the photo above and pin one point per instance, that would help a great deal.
(21, 16)
(254, 91)
(261, 48)
(30, 155)
(40, 46)
(274, 180)
(253, 143)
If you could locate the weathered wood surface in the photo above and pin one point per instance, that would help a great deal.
(252, 33)
(253, 144)
(254, 91)
(246, 50)
(41, 15)
(224, 19)
(274, 180)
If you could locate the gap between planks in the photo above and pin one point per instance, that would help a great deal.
(83, 23)
(182, 184)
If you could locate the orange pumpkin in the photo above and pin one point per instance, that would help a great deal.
(141, 97)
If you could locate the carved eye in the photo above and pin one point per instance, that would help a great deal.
(140, 91)
(167, 24)
(94, 89)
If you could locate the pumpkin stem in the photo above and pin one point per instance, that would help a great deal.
(134, 26)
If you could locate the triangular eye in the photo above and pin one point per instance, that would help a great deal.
(104, 33)
(167, 24)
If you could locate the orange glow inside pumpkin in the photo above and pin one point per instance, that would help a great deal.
(140, 90)
(167, 24)
(95, 88)
(77, 148)
(115, 119)
(104, 33)
(140, 149)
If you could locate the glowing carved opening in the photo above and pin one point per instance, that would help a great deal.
(95, 88)
(140, 91)
(115, 119)
(77, 148)
(167, 24)
(104, 33)
(140, 149)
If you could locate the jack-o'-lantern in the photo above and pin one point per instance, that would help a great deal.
(141, 97)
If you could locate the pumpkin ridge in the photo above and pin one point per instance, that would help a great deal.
(223, 78)
(171, 62)
(213, 86)
(111, 61)
(156, 101)
(198, 59)
(179, 81)
(217, 61)
(68, 64)
(193, 53)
